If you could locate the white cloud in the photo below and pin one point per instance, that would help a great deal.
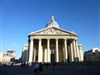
(13, 44)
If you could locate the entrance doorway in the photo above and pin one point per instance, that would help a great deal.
(52, 55)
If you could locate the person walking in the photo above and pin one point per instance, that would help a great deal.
(40, 68)
(36, 68)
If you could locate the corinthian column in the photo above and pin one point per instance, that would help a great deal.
(45, 55)
(74, 51)
(72, 59)
(57, 53)
(31, 50)
(48, 50)
(77, 51)
(65, 51)
(34, 55)
(40, 51)
(80, 53)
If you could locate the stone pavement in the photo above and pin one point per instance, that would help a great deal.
(65, 69)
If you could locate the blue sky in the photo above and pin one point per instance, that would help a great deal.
(20, 17)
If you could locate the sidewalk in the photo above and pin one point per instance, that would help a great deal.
(58, 70)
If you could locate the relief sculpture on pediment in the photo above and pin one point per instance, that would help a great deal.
(52, 31)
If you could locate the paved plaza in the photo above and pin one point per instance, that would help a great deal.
(65, 69)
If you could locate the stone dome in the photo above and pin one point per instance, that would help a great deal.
(52, 23)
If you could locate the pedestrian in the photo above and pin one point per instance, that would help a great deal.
(12, 64)
(54, 64)
(36, 68)
(27, 64)
(40, 68)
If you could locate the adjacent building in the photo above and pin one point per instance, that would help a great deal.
(11, 53)
(24, 53)
(53, 44)
(9, 56)
(92, 55)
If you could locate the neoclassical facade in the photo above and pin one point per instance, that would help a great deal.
(53, 44)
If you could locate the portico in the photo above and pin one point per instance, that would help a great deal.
(53, 44)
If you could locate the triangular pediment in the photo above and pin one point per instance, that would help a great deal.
(52, 31)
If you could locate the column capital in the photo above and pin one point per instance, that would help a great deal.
(79, 45)
(74, 39)
(48, 38)
(65, 38)
(57, 39)
(30, 38)
(39, 38)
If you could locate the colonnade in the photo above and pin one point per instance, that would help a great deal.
(75, 51)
